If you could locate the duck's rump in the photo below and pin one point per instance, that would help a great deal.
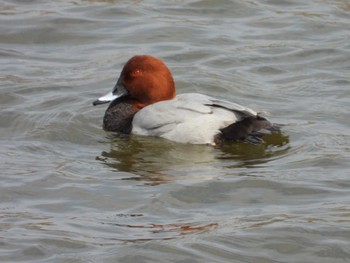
(249, 129)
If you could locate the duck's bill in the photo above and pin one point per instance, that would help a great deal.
(105, 99)
(118, 91)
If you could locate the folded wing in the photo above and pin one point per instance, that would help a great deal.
(189, 118)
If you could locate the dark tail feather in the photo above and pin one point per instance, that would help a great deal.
(250, 129)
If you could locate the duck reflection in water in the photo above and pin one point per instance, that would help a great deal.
(156, 161)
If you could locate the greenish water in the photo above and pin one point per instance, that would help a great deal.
(71, 192)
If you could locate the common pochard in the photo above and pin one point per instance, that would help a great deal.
(144, 102)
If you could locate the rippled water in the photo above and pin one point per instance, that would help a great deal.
(71, 192)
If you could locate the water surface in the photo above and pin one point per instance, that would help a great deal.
(70, 192)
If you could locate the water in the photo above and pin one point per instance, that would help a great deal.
(71, 192)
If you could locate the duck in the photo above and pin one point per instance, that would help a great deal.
(144, 102)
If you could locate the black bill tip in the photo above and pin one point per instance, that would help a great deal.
(98, 102)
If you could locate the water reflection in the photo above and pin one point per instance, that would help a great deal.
(164, 231)
(274, 146)
(157, 161)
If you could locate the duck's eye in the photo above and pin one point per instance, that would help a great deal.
(136, 73)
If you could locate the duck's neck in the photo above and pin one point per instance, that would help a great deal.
(119, 116)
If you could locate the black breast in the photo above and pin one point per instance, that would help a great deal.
(119, 116)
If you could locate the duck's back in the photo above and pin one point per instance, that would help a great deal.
(189, 118)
